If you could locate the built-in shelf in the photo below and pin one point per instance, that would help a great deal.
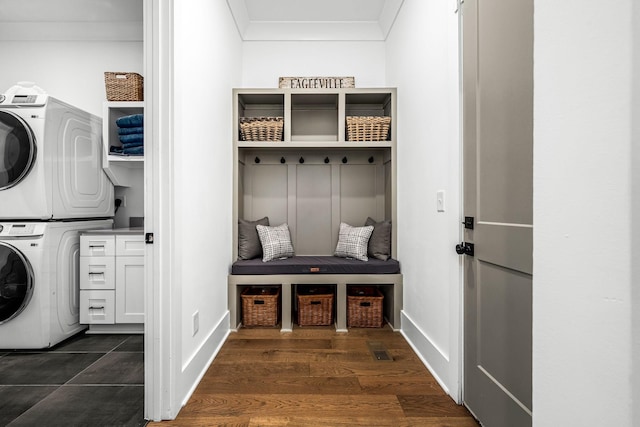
(118, 167)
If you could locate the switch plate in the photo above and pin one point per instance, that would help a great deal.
(440, 206)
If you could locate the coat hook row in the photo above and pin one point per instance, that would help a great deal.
(326, 160)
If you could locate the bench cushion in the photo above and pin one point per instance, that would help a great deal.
(316, 265)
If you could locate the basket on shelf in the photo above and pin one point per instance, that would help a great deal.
(315, 307)
(260, 306)
(364, 307)
(124, 86)
(367, 128)
(261, 128)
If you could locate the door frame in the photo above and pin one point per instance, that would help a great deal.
(160, 351)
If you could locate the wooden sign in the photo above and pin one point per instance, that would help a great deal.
(316, 82)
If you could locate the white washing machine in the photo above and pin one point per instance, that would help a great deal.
(50, 159)
(39, 281)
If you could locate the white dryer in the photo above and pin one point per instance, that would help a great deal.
(39, 281)
(50, 159)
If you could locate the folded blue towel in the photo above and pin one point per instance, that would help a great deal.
(135, 137)
(134, 120)
(115, 150)
(136, 151)
(133, 144)
(129, 131)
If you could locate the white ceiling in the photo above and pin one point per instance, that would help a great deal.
(314, 19)
(255, 19)
(71, 20)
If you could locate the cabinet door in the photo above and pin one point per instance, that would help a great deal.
(129, 289)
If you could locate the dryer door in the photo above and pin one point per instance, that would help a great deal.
(17, 149)
(16, 282)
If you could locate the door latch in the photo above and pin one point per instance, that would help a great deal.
(468, 222)
(465, 249)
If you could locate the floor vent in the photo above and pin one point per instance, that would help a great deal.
(379, 352)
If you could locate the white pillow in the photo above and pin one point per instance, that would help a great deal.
(276, 242)
(353, 242)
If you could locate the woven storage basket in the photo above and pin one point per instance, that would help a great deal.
(124, 86)
(367, 128)
(364, 307)
(260, 306)
(315, 307)
(261, 128)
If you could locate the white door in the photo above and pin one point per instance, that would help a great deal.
(497, 48)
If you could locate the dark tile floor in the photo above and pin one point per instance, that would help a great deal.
(87, 380)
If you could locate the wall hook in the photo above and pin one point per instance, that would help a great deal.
(282, 160)
(326, 160)
(257, 159)
(301, 159)
(344, 159)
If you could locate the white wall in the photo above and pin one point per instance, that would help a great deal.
(72, 71)
(422, 62)
(207, 65)
(585, 125)
(264, 62)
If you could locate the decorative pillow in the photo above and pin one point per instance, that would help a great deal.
(276, 242)
(352, 242)
(249, 246)
(380, 241)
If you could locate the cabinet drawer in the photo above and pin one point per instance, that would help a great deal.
(97, 307)
(92, 245)
(97, 272)
(130, 245)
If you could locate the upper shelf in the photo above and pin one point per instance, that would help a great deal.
(314, 117)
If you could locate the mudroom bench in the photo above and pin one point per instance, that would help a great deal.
(317, 270)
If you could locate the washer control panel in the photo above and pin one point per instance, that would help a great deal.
(21, 229)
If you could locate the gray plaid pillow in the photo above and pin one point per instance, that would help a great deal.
(276, 242)
(353, 241)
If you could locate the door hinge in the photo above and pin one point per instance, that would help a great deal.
(148, 238)
(465, 248)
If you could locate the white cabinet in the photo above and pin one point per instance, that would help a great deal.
(118, 167)
(112, 282)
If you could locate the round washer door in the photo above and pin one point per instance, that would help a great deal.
(16, 282)
(17, 149)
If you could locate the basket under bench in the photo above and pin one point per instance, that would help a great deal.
(389, 284)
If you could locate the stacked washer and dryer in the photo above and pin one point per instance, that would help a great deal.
(52, 187)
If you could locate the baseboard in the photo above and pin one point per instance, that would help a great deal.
(435, 361)
(195, 368)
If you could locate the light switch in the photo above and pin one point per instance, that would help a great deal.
(440, 200)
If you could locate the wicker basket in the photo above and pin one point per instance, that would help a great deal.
(260, 306)
(315, 307)
(261, 128)
(124, 86)
(368, 128)
(364, 307)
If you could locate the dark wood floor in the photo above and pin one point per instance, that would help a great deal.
(317, 377)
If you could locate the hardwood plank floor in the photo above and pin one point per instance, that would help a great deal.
(317, 377)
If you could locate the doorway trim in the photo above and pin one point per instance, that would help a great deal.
(159, 349)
